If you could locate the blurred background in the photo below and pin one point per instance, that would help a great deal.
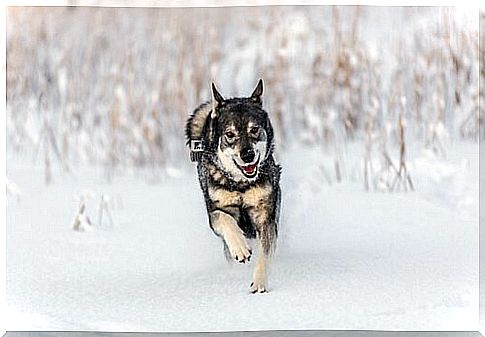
(114, 86)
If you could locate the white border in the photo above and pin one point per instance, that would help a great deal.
(463, 4)
(224, 3)
(3, 167)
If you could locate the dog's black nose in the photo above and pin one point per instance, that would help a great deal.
(247, 155)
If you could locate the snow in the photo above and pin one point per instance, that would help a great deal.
(346, 258)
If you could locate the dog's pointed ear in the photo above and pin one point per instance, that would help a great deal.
(217, 100)
(216, 96)
(257, 94)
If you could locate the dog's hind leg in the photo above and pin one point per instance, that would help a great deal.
(226, 227)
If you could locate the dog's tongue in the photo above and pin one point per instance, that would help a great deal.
(249, 168)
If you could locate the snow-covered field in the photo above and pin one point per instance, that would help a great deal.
(346, 259)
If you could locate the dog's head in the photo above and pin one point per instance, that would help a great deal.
(242, 133)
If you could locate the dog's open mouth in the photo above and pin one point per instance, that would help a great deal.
(249, 170)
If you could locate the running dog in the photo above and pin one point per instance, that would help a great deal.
(232, 142)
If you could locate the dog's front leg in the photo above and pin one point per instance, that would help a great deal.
(266, 237)
(260, 274)
(225, 226)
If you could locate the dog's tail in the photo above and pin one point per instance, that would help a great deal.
(195, 124)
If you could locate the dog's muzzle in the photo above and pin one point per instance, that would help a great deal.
(249, 170)
(247, 155)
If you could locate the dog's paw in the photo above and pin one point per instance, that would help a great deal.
(238, 248)
(241, 253)
(257, 287)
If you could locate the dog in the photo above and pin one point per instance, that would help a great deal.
(232, 142)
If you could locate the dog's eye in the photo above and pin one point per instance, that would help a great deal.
(254, 130)
(230, 135)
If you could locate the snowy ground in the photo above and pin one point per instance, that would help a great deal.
(346, 259)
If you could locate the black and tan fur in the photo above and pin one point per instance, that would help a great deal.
(239, 176)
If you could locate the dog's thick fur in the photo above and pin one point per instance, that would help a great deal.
(239, 176)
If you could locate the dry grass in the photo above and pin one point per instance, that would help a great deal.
(114, 86)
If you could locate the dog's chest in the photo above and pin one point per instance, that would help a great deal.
(253, 197)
